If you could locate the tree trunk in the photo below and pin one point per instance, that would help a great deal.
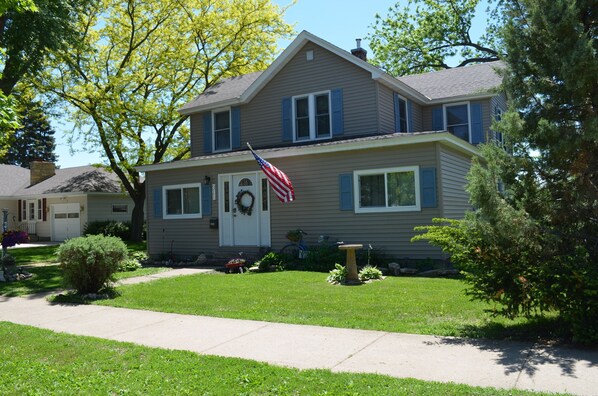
(137, 217)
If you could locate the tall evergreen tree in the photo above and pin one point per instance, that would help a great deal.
(34, 140)
(535, 247)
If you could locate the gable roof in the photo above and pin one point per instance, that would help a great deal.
(13, 178)
(76, 180)
(422, 88)
(456, 82)
(230, 88)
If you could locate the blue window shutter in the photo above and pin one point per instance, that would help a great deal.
(338, 126)
(207, 132)
(427, 185)
(477, 130)
(158, 203)
(346, 191)
(437, 119)
(235, 116)
(395, 100)
(206, 200)
(410, 116)
(287, 120)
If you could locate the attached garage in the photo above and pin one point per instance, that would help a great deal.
(66, 221)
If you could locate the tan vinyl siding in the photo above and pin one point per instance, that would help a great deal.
(426, 115)
(316, 209)
(386, 111)
(261, 119)
(100, 207)
(452, 178)
(196, 125)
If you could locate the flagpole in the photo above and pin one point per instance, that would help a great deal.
(249, 145)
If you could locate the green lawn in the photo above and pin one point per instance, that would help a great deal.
(47, 277)
(36, 361)
(396, 304)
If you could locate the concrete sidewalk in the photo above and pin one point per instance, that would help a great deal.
(509, 365)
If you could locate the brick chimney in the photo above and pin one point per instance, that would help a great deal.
(360, 52)
(40, 171)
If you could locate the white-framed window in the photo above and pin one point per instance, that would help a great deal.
(387, 190)
(403, 122)
(120, 208)
(457, 120)
(311, 115)
(500, 140)
(221, 130)
(32, 210)
(182, 201)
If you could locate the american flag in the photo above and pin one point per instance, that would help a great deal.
(280, 183)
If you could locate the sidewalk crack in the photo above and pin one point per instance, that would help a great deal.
(359, 350)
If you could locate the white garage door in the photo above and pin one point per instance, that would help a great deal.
(65, 221)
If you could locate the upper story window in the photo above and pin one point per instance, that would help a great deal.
(457, 120)
(182, 201)
(312, 116)
(498, 135)
(402, 116)
(222, 130)
(387, 190)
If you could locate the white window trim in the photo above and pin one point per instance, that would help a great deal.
(407, 130)
(37, 216)
(311, 100)
(230, 129)
(180, 216)
(357, 195)
(498, 112)
(444, 106)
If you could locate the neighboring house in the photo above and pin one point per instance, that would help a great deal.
(56, 204)
(370, 156)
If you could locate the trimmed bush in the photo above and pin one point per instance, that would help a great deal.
(322, 258)
(118, 229)
(89, 263)
(129, 264)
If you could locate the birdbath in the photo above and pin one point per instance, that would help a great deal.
(351, 265)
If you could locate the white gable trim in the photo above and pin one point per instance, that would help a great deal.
(403, 139)
(303, 38)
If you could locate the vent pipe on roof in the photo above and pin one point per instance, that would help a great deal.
(360, 52)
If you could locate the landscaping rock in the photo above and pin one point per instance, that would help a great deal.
(394, 268)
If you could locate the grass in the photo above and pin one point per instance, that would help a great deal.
(36, 361)
(407, 305)
(48, 277)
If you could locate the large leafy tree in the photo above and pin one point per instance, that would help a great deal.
(34, 139)
(142, 60)
(426, 35)
(535, 246)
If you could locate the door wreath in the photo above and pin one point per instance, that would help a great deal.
(244, 209)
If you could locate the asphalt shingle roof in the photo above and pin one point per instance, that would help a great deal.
(229, 88)
(80, 179)
(12, 179)
(459, 81)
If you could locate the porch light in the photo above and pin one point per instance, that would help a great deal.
(206, 180)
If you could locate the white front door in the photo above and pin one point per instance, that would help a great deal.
(244, 210)
(65, 221)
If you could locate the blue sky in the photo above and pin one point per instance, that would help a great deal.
(339, 22)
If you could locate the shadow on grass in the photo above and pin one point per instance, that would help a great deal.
(44, 279)
(73, 297)
(544, 330)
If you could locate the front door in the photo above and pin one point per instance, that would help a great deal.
(244, 210)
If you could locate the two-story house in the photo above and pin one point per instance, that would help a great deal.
(370, 156)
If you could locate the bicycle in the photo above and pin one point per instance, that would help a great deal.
(297, 249)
